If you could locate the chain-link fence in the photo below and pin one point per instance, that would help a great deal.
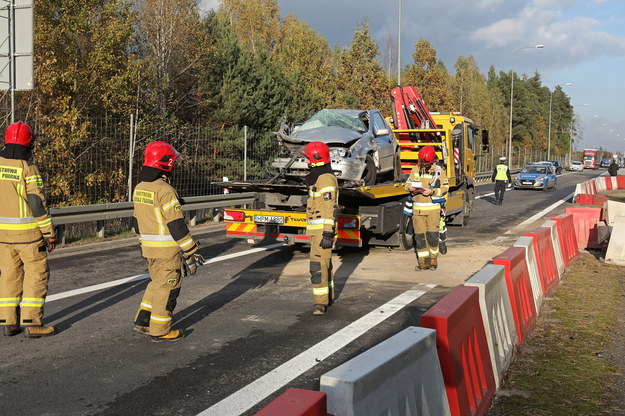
(93, 164)
(521, 156)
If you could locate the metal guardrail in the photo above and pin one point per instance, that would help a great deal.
(100, 212)
(485, 176)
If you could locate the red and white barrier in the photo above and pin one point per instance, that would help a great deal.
(463, 351)
(557, 248)
(519, 290)
(496, 316)
(585, 221)
(296, 402)
(532, 267)
(546, 259)
(568, 239)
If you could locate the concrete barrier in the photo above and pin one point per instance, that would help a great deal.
(519, 290)
(557, 247)
(497, 317)
(615, 253)
(585, 221)
(568, 239)
(579, 189)
(532, 267)
(600, 184)
(463, 351)
(296, 402)
(546, 258)
(615, 209)
(399, 376)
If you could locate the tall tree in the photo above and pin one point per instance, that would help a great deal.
(256, 22)
(84, 67)
(360, 75)
(306, 55)
(429, 75)
(172, 54)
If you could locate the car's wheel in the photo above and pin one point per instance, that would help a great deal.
(370, 175)
(555, 184)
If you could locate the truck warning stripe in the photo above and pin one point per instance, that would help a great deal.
(239, 227)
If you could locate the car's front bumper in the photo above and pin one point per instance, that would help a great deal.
(528, 184)
(347, 169)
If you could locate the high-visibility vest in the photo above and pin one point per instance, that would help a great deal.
(502, 173)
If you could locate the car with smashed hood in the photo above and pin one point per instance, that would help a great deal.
(363, 149)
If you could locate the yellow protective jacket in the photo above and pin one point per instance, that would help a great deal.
(159, 222)
(433, 178)
(24, 217)
(321, 206)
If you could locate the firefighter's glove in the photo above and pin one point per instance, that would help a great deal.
(326, 240)
(192, 262)
(50, 243)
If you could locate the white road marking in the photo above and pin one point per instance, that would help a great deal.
(538, 215)
(144, 276)
(250, 395)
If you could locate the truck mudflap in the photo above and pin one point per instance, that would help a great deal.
(286, 227)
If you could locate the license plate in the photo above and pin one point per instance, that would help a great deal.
(269, 219)
(526, 183)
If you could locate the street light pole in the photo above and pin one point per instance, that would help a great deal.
(512, 97)
(571, 132)
(549, 135)
(399, 45)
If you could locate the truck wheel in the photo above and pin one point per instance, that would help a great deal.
(406, 238)
(468, 206)
(397, 169)
(370, 175)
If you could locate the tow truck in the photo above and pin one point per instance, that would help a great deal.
(369, 214)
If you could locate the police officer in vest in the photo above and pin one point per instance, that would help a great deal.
(501, 176)
(321, 216)
(26, 233)
(164, 236)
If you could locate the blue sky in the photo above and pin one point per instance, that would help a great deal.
(584, 44)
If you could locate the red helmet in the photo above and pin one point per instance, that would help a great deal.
(18, 133)
(160, 155)
(318, 153)
(427, 155)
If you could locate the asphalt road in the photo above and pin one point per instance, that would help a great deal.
(247, 317)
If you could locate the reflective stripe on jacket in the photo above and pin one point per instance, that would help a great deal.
(24, 216)
(160, 224)
(321, 206)
(433, 178)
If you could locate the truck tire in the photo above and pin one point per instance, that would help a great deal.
(397, 173)
(467, 206)
(406, 237)
(370, 175)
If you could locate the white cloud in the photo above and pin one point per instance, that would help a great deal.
(207, 5)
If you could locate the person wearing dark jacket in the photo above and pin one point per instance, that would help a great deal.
(613, 168)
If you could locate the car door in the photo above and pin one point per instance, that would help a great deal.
(384, 140)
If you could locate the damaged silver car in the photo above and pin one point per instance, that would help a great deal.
(362, 147)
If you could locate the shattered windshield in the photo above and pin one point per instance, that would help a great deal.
(331, 118)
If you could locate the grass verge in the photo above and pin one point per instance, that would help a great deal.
(569, 364)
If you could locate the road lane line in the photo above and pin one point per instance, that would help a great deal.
(144, 276)
(250, 395)
(538, 215)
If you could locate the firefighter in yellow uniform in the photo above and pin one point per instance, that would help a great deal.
(26, 233)
(321, 214)
(164, 236)
(427, 180)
